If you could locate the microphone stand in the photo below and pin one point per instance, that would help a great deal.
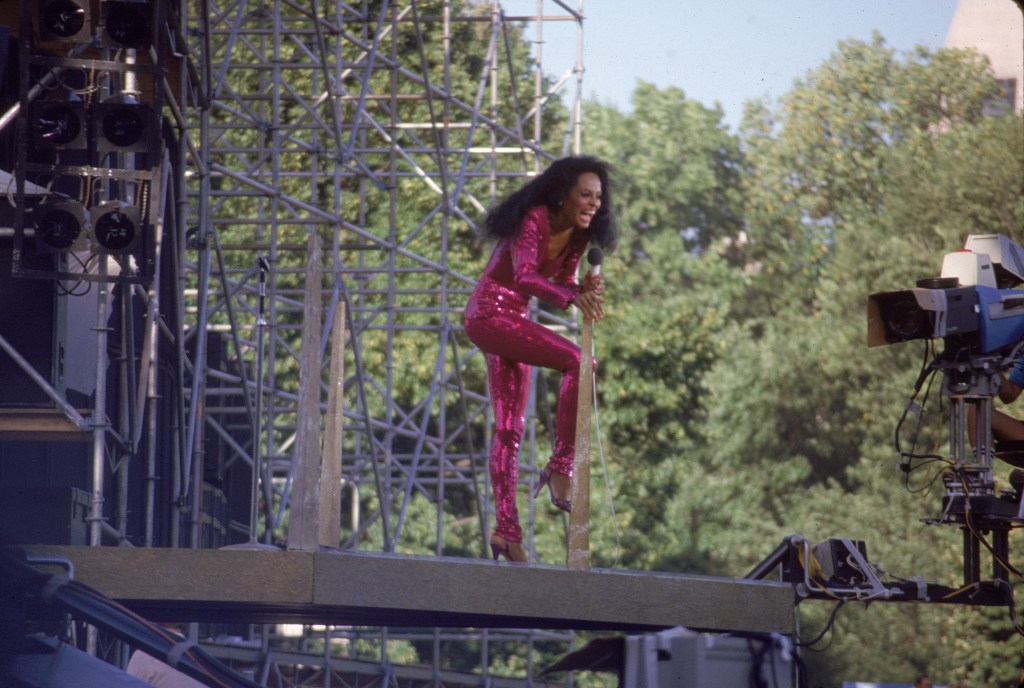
(578, 551)
(257, 461)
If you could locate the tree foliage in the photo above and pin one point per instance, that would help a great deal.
(740, 400)
(678, 168)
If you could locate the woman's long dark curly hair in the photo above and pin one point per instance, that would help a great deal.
(550, 188)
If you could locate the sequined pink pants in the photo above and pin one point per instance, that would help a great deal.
(513, 344)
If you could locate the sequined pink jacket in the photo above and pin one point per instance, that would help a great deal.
(520, 264)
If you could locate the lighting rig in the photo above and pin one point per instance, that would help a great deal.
(88, 132)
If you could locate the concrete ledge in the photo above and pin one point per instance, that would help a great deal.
(357, 588)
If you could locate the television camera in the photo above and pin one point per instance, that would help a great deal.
(970, 304)
(975, 309)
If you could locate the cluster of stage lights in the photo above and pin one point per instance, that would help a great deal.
(125, 23)
(120, 124)
(61, 226)
(117, 124)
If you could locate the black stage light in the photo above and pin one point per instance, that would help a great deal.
(58, 123)
(59, 226)
(64, 20)
(127, 23)
(116, 227)
(123, 125)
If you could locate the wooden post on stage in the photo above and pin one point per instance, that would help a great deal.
(329, 522)
(578, 554)
(303, 531)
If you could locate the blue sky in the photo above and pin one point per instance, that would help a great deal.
(725, 51)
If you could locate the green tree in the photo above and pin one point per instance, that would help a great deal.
(739, 399)
(677, 194)
(868, 171)
(678, 167)
(820, 162)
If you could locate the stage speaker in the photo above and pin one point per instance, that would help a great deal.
(51, 327)
(45, 516)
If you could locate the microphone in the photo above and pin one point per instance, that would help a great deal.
(594, 257)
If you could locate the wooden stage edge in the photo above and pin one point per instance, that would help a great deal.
(262, 585)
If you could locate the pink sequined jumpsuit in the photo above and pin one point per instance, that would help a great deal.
(497, 321)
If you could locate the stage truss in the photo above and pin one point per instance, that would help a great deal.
(352, 148)
(304, 202)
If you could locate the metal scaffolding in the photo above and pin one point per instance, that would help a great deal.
(304, 205)
(342, 154)
(348, 127)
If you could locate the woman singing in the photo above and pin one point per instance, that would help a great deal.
(542, 231)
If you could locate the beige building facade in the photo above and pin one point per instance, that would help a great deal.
(995, 28)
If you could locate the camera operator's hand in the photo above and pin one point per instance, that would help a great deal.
(1009, 387)
(1008, 391)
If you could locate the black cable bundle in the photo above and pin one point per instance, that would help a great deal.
(85, 603)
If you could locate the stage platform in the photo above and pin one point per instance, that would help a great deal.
(268, 585)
